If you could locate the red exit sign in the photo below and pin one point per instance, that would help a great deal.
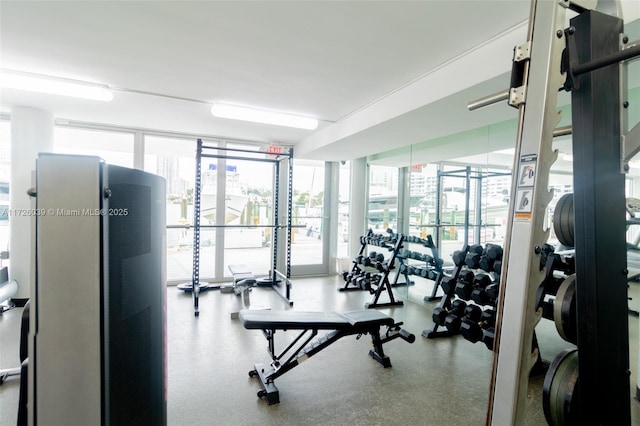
(275, 149)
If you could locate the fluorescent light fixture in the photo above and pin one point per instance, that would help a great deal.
(54, 85)
(236, 112)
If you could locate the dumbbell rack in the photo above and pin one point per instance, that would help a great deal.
(431, 270)
(466, 304)
(375, 282)
(445, 302)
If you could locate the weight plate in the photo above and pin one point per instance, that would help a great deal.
(188, 287)
(563, 220)
(560, 394)
(564, 310)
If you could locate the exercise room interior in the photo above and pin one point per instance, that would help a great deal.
(309, 212)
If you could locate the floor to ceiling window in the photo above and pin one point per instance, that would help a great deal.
(174, 159)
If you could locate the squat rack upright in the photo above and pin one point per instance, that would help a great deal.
(207, 151)
(467, 174)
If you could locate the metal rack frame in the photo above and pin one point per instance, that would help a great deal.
(273, 280)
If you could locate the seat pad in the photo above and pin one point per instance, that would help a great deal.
(297, 320)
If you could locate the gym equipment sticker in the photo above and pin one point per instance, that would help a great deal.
(524, 193)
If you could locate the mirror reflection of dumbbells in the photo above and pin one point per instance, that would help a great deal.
(422, 271)
(478, 325)
(373, 260)
(489, 258)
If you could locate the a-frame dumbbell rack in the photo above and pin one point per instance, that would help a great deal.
(391, 242)
(385, 283)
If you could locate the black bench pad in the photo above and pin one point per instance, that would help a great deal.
(295, 320)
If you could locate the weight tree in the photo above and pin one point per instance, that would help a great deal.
(275, 158)
(590, 386)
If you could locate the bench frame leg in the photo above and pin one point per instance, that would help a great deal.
(301, 349)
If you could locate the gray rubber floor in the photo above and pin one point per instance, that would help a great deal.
(441, 381)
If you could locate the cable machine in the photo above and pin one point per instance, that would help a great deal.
(275, 275)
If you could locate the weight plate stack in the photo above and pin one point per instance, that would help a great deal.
(563, 220)
(560, 395)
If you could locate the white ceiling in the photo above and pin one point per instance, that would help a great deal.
(379, 74)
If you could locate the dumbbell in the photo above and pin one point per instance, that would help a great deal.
(472, 259)
(464, 286)
(497, 267)
(448, 284)
(371, 282)
(432, 275)
(470, 330)
(476, 248)
(454, 319)
(492, 292)
(374, 281)
(363, 283)
(473, 312)
(488, 336)
(488, 318)
(458, 257)
(486, 263)
(493, 251)
(439, 315)
(479, 294)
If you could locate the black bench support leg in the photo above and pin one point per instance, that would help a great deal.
(377, 352)
(269, 390)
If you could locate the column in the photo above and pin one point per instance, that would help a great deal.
(31, 133)
(358, 190)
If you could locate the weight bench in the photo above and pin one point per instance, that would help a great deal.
(243, 281)
(345, 324)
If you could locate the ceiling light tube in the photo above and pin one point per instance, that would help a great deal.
(236, 112)
(54, 85)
